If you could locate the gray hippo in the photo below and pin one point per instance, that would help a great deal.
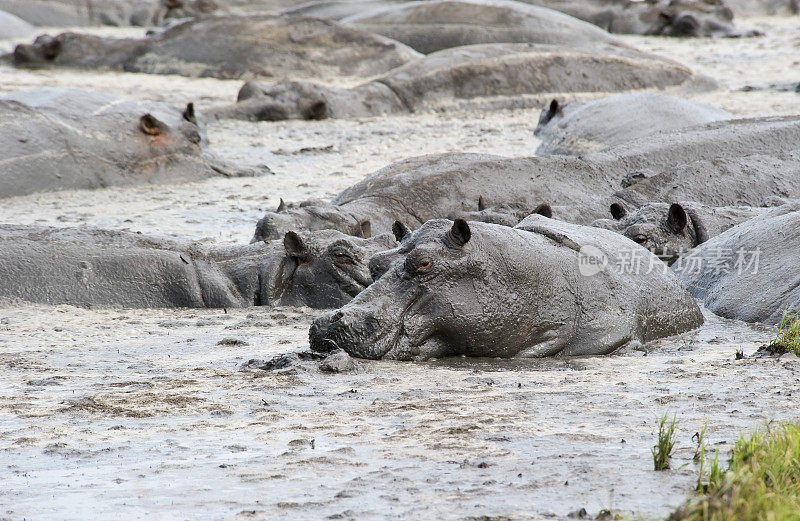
(227, 47)
(87, 267)
(728, 163)
(544, 288)
(686, 18)
(431, 26)
(14, 27)
(59, 139)
(578, 127)
(752, 271)
(504, 72)
(669, 230)
(61, 13)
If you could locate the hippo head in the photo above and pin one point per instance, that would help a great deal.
(693, 18)
(309, 216)
(555, 109)
(323, 269)
(282, 101)
(432, 301)
(41, 52)
(666, 230)
(166, 133)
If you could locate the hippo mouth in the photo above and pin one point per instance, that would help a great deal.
(351, 282)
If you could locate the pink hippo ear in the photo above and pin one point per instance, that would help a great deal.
(151, 126)
(460, 233)
(366, 229)
(676, 218)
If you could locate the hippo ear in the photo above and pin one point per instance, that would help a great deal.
(188, 114)
(481, 204)
(544, 209)
(151, 126)
(366, 229)
(400, 231)
(317, 110)
(676, 218)
(554, 109)
(618, 211)
(281, 206)
(460, 232)
(295, 246)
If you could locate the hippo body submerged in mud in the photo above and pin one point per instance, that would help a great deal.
(669, 230)
(228, 47)
(87, 267)
(578, 127)
(750, 272)
(431, 26)
(728, 163)
(60, 139)
(61, 13)
(684, 18)
(486, 290)
(502, 74)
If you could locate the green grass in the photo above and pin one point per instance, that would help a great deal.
(662, 451)
(788, 337)
(762, 482)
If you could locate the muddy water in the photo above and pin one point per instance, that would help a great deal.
(116, 414)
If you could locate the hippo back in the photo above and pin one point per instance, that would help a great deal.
(752, 271)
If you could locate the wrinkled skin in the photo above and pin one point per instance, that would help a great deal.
(431, 26)
(739, 162)
(228, 47)
(759, 284)
(86, 267)
(669, 230)
(479, 289)
(504, 73)
(58, 139)
(578, 127)
(692, 18)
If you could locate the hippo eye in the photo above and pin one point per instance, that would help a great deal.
(640, 239)
(424, 265)
(343, 258)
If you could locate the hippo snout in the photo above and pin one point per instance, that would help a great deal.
(317, 334)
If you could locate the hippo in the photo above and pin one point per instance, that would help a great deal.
(431, 26)
(504, 72)
(49, 13)
(726, 163)
(90, 267)
(226, 47)
(59, 139)
(578, 127)
(544, 288)
(669, 230)
(750, 272)
(682, 18)
(14, 27)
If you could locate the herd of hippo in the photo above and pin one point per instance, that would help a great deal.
(636, 206)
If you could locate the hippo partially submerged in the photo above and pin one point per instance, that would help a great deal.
(669, 230)
(653, 17)
(50, 13)
(577, 127)
(14, 27)
(263, 46)
(502, 72)
(728, 163)
(87, 267)
(58, 139)
(431, 26)
(544, 288)
(752, 271)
